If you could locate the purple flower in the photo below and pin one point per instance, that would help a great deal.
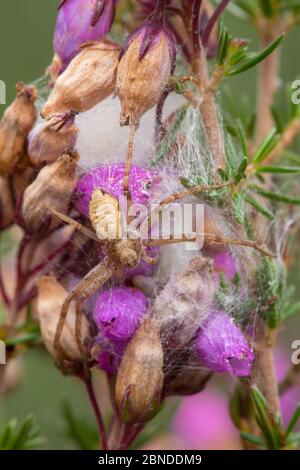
(222, 347)
(224, 262)
(81, 21)
(110, 354)
(142, 183)
(118, 312)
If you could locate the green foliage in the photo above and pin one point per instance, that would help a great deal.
(266, 146)
(246, 61)
(20, 436)
(274, 437)
(260, 208)
(290, 306)
(82, 433)
(233, 55)
(169, 141)
(251, 10)
(273, 196)
(270, 279)
(27, 333)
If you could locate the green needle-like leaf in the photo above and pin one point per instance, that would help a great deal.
(294, 420)
(275, 196)
(278, 169)
(266, 146)
(260, 208)
(256, 58)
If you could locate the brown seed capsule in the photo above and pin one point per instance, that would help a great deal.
(89, 79)
(46, 144)
(140, 376)
(143, 73)
(55, 67)
(7, 204)
(182, 305)
(16, 124)
(51, 295)
(52, 188)
(23, 176)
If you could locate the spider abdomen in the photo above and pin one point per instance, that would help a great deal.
(105, 215)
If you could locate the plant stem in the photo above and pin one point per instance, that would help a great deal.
(206, 99)
(116, 434)
(268, 81)
(264, 368)
(97, 412)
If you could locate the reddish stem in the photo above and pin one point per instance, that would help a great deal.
(196, 26)
(97, 412)
(4, 294)
(212, 21)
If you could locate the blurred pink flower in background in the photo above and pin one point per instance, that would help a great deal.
(203, 422)
(291, 397)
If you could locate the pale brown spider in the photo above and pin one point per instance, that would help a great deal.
(121, 254)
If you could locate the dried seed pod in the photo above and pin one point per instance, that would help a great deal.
(51, 295)
(7, 203)
(52, 188)
(146, 63)
(140, 376)
(16, 124)
(182, 305)
(23, 176)
(46, 144)
(89, 79)
(105, 215)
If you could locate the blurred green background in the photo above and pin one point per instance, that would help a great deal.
(26, 30)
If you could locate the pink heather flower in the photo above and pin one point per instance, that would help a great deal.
(81, 21)
(202, 421)
(222, 347)
(224, 262)
(142, 183)
(118, 312)
(110, 354)
(291, 397)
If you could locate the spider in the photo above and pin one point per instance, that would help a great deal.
(123, 253)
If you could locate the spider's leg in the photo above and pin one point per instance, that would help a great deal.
(60, 325)
(183, 194)
(128, 161)
(195, 190)
(78, 328)
(213, 238)
(86, 287)
(81, 228)
(149, 260)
